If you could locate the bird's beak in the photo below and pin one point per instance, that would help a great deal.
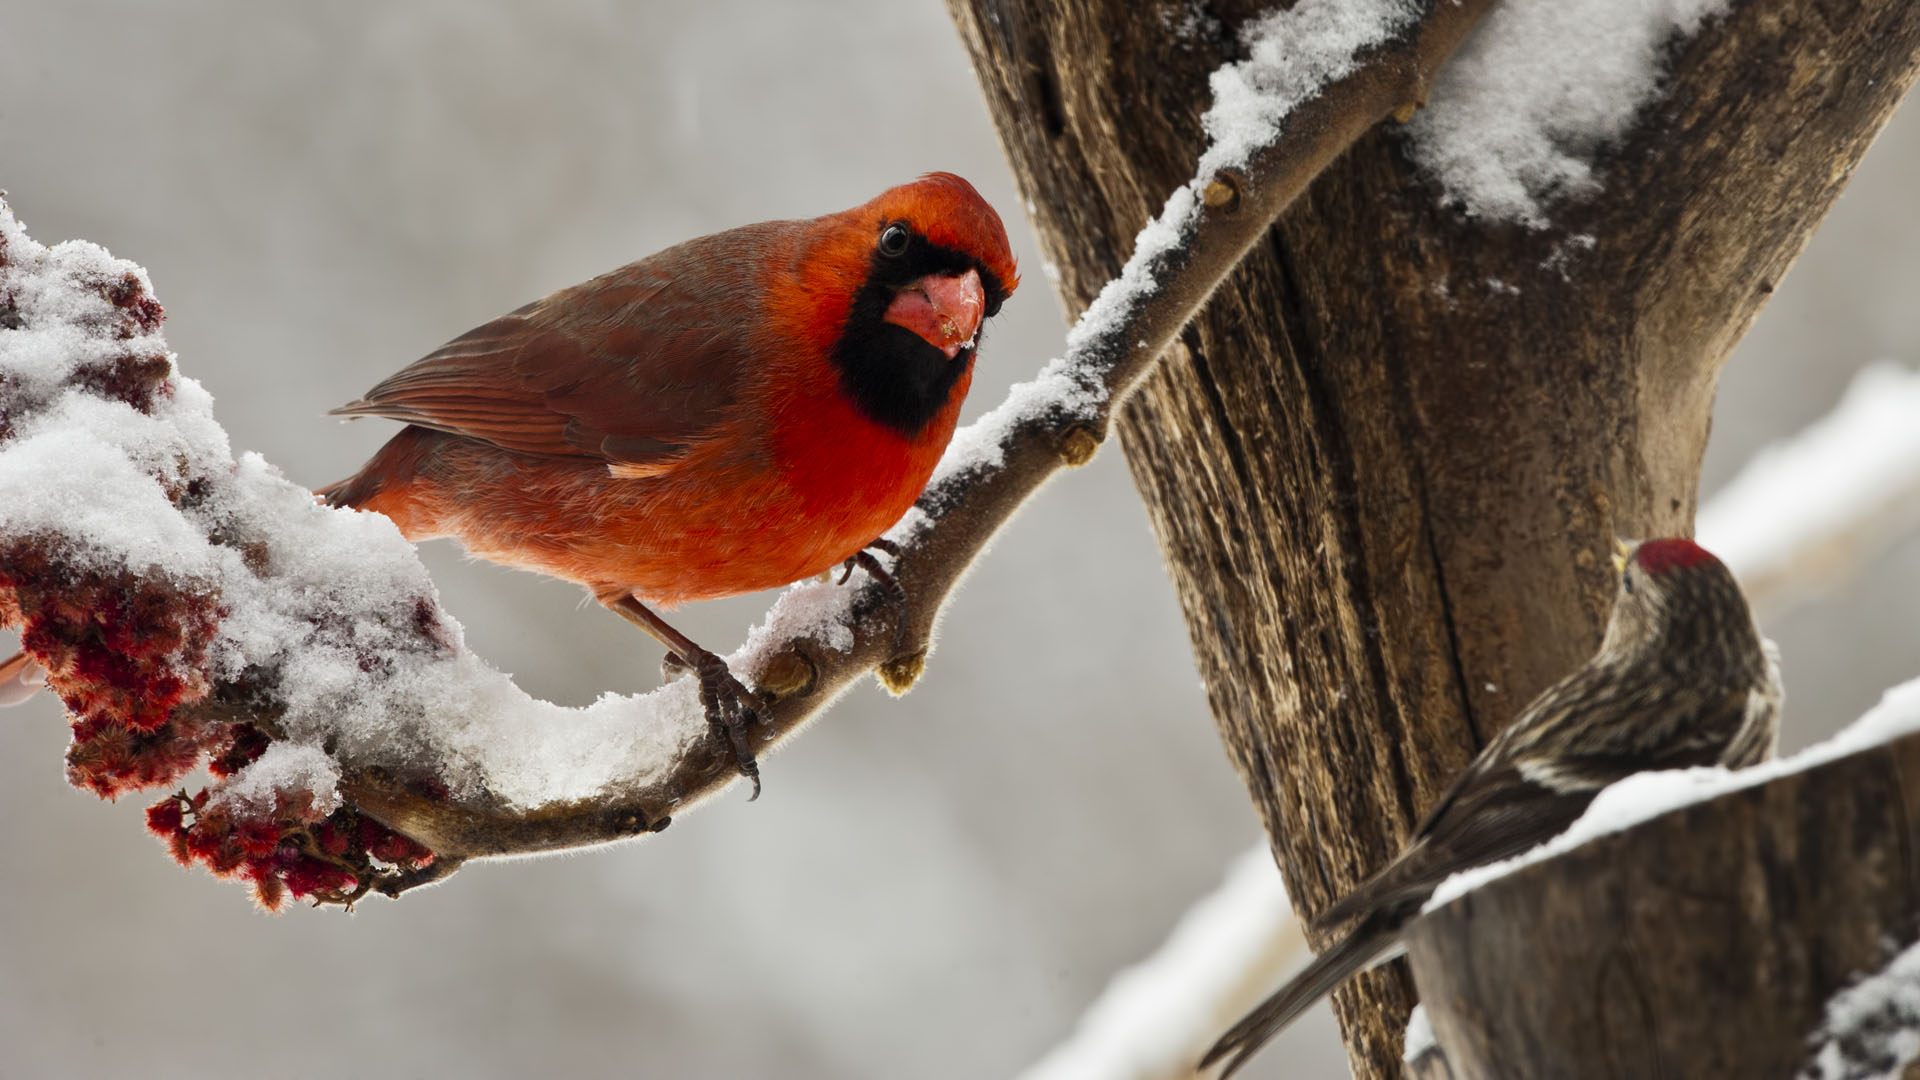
(1622, 551)
(944, 309)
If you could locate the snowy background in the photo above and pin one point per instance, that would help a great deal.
(324, 192)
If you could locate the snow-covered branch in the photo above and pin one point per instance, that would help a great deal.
(1155, 1018)
(187, 604)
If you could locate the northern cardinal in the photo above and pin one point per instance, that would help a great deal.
(1682, 678)
(735, 413)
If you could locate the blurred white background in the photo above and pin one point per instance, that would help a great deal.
(933, 887)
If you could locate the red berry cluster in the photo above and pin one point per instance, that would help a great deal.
(124, 653)
(127, 654)
(130, 296)
(290, 851)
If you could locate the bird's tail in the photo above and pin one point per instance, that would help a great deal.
(20, 678)
(349, 492)
(382, 482)
(1365, 943)
(375, 477)
(1396, 883)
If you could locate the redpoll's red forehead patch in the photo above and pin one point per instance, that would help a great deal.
(1657, 557)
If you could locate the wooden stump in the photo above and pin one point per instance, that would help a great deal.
(1702, 943)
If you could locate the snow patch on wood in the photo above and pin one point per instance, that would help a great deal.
(1872, 1029)
(1518, 116)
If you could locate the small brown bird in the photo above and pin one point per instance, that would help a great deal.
(1682, 678)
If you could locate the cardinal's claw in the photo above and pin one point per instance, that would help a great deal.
(731, 709)
(672, 667)
(895, 591)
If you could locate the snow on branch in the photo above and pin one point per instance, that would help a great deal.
(1154, 1019)
(192, 606)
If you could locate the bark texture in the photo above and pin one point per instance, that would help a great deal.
(1386, 465)
(1627, 956)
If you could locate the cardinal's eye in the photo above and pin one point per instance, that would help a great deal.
(1626, 581)
(894, 239)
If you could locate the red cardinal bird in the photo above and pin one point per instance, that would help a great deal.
(735, 413)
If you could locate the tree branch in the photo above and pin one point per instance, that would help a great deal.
(412, 666)
(1002, 459)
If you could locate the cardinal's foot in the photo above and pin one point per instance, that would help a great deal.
(896, 592)
(730, 707)
(731, 710)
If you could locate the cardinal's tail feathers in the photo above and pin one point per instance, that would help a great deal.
(334, 494)
(1367, 941)
(391, 468)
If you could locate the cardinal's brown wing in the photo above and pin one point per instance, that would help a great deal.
(630, 368)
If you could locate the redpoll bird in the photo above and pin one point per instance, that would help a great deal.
(1682, 678)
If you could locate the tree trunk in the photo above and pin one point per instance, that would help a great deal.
(1386, 465)
(1705, 942)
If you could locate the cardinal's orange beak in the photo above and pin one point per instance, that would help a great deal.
(943, 309)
